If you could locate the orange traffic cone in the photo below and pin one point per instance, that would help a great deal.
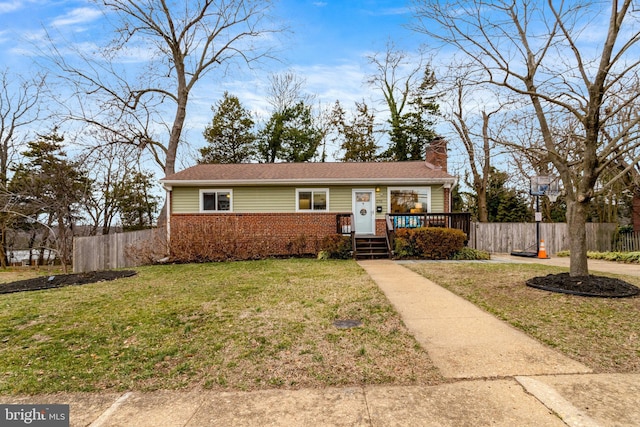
(542, 252)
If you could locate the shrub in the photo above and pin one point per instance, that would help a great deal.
(403, 248)
(335, 246)
(628, 257)
(148, 251)
(428, 243)
(207, 242)
(470, 254)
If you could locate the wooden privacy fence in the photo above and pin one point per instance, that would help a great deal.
(119, 250)
(627, 242)
(507, 237)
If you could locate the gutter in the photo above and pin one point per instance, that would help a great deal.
(168, 184)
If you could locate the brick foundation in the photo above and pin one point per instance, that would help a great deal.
(247, 235)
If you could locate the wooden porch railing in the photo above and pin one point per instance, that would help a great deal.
(344, 225)
(459, 221)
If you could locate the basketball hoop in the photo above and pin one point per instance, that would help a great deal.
(545, 185)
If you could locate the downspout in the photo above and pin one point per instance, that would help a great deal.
(168, 189)
(450, 186)
(455, 182)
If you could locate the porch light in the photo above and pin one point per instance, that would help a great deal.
(377, 189)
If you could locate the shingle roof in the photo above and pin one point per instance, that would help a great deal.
(283, 173)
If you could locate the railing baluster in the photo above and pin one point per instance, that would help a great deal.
(460, 221)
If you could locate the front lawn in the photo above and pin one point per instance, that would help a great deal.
(228, 326)
(602, 333)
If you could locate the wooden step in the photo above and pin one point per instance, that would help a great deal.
(371, 247)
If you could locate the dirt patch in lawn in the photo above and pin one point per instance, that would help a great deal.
(592, 286)
(61, 280)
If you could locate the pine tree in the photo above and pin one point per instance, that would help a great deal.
(357, 134)
(230, 135)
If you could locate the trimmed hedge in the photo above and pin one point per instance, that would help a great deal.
(428, 242)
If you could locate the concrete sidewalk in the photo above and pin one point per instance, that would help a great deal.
(497, 376)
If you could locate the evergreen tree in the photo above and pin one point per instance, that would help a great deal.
(412, 130)
(52, 185)
(137, 205)
(357, 134)
(506, 204)
(229, 135)
(290, 136)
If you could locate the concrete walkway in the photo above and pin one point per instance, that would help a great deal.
(462, 340)
(498, 377)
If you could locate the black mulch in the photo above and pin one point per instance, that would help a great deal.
(60, 280)
(591, 286)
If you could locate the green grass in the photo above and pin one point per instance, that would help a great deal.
(232, 326)
(602, 333)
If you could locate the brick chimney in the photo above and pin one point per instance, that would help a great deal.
(436, 154)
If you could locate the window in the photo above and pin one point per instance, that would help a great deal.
(215, 200)
(316, 199)
(410, 200)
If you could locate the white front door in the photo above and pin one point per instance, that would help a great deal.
(364, 211)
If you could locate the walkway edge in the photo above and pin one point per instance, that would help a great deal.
(102, 419)
(549, 397)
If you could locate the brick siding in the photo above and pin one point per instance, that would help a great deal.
(248, 235)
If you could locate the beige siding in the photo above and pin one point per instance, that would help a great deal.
(282, 199)
(185, 200)
(437, 198)
(264, 199)
(340, 199)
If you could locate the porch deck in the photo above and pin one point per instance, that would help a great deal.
(381, 246)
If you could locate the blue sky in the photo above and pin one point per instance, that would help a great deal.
(327, 45)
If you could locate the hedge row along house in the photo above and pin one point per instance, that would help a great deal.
(253, 210)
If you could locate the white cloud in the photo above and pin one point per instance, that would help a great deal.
(81, 15)
(393, 11)
(10, 6)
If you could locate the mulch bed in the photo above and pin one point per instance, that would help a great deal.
(60, 280)
(591, 286)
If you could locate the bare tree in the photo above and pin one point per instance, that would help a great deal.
(543, 51)
(286, 89)
(183, 41)
(109, 167)
(405, 83)
(473, 112)
(19, 109)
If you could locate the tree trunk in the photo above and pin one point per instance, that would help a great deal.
(3, 249)
(576, 223)
(483, 210)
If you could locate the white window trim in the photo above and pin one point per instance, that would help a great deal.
(312, 190)
(390, 189)
(215, 190)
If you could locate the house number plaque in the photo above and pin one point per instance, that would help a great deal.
(363, 212)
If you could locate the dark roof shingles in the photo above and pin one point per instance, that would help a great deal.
(308, 171)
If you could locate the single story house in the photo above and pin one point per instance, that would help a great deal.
(255, 209)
